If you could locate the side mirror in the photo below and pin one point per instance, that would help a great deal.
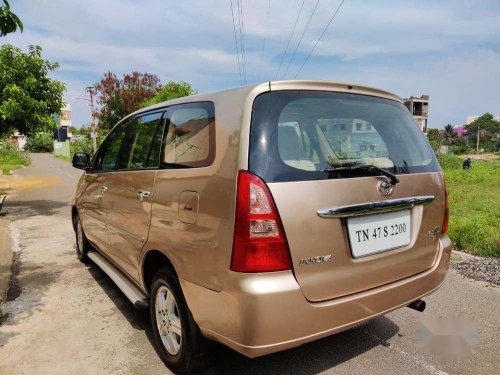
(81, 160)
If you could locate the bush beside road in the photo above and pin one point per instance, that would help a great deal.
(11, 158)
(474, 205)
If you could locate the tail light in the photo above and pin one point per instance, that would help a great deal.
(444, 226)
(259, 242)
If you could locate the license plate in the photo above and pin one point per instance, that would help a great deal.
(376, 233)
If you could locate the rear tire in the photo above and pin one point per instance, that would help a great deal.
(177, 338)
(82, 244)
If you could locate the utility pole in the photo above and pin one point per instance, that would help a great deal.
(93, 129)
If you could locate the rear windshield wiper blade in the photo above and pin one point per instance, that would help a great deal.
(371, 169)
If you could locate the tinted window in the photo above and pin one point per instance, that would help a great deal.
(110, 149)
(143, 142)
(297, 135)
(190, 136)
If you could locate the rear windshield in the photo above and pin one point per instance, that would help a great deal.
(312, 135)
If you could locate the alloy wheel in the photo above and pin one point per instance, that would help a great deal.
(168, 320)
(79, 237)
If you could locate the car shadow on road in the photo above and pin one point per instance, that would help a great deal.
(310, 358)
(138, 319)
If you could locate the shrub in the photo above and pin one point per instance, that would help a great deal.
(11, 157)
(41, 142)
(81, 145)
(461, 149)
(83, 142)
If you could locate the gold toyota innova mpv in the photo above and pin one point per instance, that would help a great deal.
(265, 217)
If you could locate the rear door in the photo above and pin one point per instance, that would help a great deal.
(130, 189)
(347, 227)
(187, 208)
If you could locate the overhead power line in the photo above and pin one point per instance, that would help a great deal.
(321, 36)
(236, 42)
(242, 40)
(301, 37)
(265, 37)
(289, 39)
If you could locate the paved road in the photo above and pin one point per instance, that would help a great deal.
(63, 317)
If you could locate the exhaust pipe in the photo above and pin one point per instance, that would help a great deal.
(418, 305)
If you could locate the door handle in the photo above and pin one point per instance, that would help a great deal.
(103, 189)
(141, 194)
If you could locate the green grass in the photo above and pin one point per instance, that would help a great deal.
(62, 157)
(11, 158)
(474, 198)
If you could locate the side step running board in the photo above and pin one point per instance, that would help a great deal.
(134, 294)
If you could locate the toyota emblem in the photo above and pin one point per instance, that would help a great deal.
(385, 187)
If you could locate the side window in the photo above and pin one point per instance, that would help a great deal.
(190, 136)
(142, 144)
(109, 150)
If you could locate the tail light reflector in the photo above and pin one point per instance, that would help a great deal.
(259, 242)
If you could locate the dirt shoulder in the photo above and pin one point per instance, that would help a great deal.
(476, 267)
(5, 258)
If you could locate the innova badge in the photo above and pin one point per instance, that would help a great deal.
(385, 187)
(316, 260)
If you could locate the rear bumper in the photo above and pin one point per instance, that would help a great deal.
(258, 314)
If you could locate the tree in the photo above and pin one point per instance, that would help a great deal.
(9, 22)
(435, 137)
(119, 97)
(434, 134)
(484, 129)
(171, 90)
(28, 97)
(449, 133)
(485, 122)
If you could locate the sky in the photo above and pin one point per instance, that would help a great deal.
(447, 49)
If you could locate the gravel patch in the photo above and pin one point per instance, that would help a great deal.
(476, 268)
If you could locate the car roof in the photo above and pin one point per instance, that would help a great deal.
(318, 85)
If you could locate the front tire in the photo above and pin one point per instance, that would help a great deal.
(82, 244)
(177, 338)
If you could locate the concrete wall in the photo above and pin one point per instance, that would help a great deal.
(62, 149)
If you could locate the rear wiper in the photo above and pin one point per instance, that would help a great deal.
(371, 169)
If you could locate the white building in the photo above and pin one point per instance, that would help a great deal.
(19, 140)
(65, 118)
(419, 108)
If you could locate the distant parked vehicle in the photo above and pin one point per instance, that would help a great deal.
(265, 217)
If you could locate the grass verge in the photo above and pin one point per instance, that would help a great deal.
(11, 158)
(65, 158)
(474, 205)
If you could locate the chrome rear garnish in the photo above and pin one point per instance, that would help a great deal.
(374, 207)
